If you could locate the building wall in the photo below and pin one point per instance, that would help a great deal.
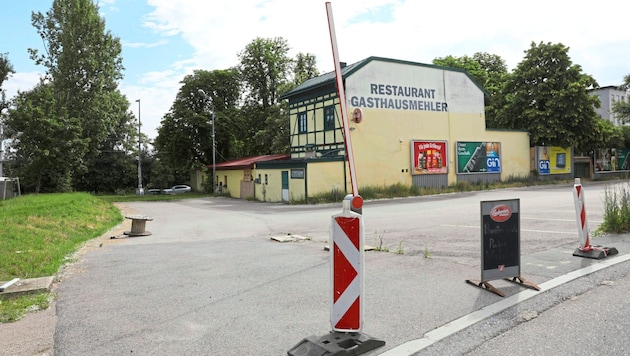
(197, 178)
(232, 179)
(327, 176)
(608, 96)
(402, 102)
(269, 188)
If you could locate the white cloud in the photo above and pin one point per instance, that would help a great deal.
(21, 81)
(144, 44)
(416, 31)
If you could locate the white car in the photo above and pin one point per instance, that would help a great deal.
(177, 189)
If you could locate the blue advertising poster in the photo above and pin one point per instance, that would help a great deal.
(544, 166)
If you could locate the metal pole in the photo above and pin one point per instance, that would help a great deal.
(214, 166)
(1, 146)
(2, 114)
(140, 191)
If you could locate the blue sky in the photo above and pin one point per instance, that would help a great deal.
(164, 40)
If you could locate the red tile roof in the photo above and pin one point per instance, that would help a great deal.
(249, 161)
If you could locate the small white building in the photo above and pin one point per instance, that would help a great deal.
(608, 96)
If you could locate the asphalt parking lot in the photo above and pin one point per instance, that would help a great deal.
(211, 281)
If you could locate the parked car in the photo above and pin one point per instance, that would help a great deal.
(154, 191)
(177, 189)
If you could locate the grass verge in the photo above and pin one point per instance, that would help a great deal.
(39, 233)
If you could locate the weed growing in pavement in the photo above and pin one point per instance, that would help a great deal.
(616, 209)
(400, 250)
(380, 247)
(427, 254)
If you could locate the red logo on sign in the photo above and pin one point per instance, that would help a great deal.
(500, 213)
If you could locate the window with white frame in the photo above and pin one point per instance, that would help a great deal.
(301, 121)
(329, 118)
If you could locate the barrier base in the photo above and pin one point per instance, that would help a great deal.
(595, 252)
(336, 343)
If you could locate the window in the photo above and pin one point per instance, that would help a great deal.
(329, 118)
(301, 121)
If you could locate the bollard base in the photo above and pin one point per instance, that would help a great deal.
(595, 252)
(336, 343)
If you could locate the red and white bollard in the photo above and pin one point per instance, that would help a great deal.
(347, 261)
(580, 212)
(585, 249)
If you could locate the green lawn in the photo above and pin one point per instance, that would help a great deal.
(38, 234)
(40, 231)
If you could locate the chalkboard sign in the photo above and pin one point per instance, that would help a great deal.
(500, 239)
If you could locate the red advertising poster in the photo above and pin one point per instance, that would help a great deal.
(429, 157)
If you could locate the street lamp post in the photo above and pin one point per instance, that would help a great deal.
(212, 118)
(214, 166)
(1, 145)
(140, 190)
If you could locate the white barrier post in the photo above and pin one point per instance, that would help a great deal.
(347, 260)
(580, 212)
(585, 249)
(346, 240)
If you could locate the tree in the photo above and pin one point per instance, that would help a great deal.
(185, 132)
(79, 90)
(6, 68)
(245, 126)
(115, 166)
(489, 70)
(304, 68)
(264, 70)
(43, 141)
(621, 108)
(547, 95)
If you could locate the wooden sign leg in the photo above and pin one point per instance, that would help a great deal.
(485, 286)
(520, 280)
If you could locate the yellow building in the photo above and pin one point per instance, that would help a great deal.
(411, 123)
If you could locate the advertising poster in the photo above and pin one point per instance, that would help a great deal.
(478, 157)
(623, 159)
(429, 157)
(559, 160)
(553, 160)
(612, 159)
(543, 160)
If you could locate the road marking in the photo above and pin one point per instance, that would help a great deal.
(567, 220)
(460, 324)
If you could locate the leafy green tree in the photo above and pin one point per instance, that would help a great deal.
(547, 95)
(161, 175)
(604, 135)
(625, 130)
(43, 141)
(472, 66)
(622, 108)
(489, 70)
(185, 132)
(83, 66)
(245, 126)
(304, 68)
(6, 68)
(264, 70)
(115, 167)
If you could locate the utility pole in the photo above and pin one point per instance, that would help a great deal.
(140, 190)
(212, 118)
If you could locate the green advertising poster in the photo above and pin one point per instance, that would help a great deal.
(478, 157)
(623, 159)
